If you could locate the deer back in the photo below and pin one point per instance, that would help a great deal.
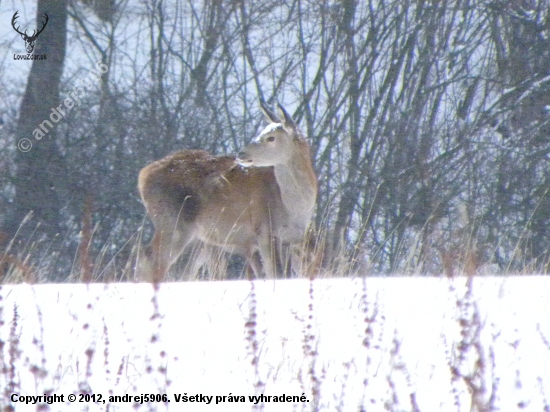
(226, 202)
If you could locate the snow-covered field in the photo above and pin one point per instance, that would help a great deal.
(402, 344)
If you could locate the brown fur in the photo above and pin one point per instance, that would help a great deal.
(192, 195)
(184, 183)
(193, 185)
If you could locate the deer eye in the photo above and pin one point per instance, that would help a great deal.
(271, 139)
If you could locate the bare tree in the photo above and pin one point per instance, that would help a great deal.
(40, 172)
(428, 121)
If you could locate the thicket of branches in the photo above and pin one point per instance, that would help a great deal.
(429, 120)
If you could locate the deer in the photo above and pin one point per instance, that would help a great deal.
(252, 204)
(29, 40)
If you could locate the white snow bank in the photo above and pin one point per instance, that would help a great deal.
(342, 343)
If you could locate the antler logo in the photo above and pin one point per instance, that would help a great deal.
(29, 40)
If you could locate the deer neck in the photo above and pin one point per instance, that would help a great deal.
(298, 187)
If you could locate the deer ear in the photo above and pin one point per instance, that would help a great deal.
(288, 121)
(270, 116)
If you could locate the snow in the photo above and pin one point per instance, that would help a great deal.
(270, 128)
(342, 343)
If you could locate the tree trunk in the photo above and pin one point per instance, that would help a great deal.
(41, 171)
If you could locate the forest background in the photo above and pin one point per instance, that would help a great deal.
(428, 120)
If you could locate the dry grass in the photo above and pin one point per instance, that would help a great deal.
(471, 362)
(430, 251)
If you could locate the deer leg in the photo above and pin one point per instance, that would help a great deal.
(283, 263)
(268, 253)
(253, 269)
(211, 259)
(161, 253)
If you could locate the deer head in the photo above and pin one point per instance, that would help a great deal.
(29, 40)
(275, 144)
